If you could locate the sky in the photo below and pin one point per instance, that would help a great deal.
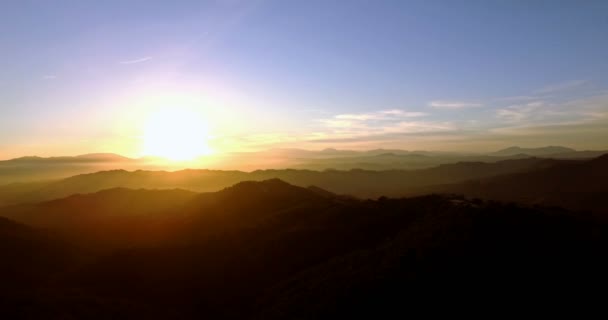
(163, 77)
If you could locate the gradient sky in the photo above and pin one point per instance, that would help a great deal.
(84, 76)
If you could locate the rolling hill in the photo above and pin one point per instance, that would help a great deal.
(271, 250)
(32, 169)
(536, 152)
(28, 169)
(577, 185)
(360, 183)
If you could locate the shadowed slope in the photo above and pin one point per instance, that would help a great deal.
(536, 152)
(360, 183)
(273, 250)
(579, 185)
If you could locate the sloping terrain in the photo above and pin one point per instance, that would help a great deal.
(360, 183)
(577, 185)
(273, 250)
(34, 169)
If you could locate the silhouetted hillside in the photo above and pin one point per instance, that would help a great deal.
(574, 184)
(28, 169)
(536, 152)
(361, 183)
(270, 250)
(578, 185)
(30, 259)
(113, 216)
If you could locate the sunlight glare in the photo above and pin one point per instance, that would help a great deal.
(178, 134)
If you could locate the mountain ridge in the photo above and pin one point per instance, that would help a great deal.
(362, 183)
(572, 184)
(27, 169)
(290, 253)
(541, 151)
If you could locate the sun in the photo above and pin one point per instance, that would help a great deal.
(174, 133)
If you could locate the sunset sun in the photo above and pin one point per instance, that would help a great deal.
(177, 134)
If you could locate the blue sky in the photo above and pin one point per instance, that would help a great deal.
(81, 76)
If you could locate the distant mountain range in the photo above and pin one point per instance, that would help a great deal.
(271, 250)
(573, 184)
(538, 152)
(361, 183)
(29, 169)
(580, 185)
(26, 169)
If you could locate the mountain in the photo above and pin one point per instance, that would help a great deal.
(30, 257)
(32, 169)
(27, 169)
(361, 183)
(587, 154)
(117, 203)
(149, 216)
(85, 158)
(379, 159)
(574, 184)
(103, 157)
(271, 250)
(536, 152)
(577, 185)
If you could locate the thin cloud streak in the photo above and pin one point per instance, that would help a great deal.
(453, 105)
(134, 61)
(517, 98)
(561, 86)
(376, 126)
(381, 115)
(519, 113)
(568, 121)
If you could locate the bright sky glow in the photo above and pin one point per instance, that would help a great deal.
(91, 76)
(177, 134)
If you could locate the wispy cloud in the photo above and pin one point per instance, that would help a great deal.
(561, 86)
(363, 120)
(403, 114)
(523, 123)
(575, 120)
(516, 98)
(134, 61)
(453, 105)
(381, 115)
(379, 125)
(581, 122)
(519, 113)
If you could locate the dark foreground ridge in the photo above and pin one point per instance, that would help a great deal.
(271, 250)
